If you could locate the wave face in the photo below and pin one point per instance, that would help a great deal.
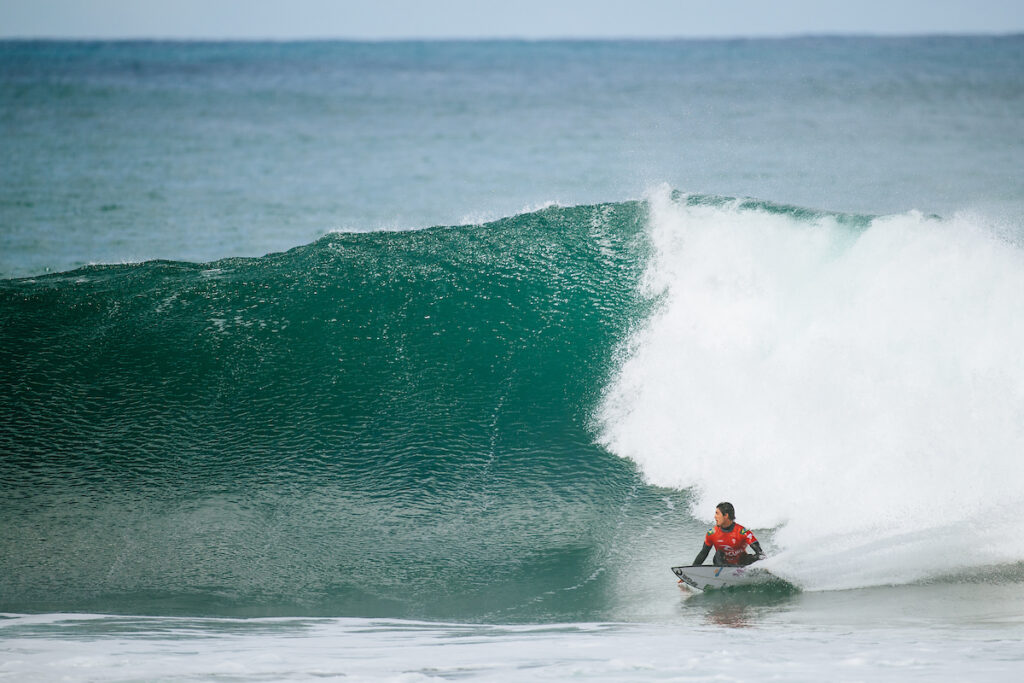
(393, 423)
(856, 382)
(513, 421)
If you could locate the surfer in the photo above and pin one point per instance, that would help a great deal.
(730, 540)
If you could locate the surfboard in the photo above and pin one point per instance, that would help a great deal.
(704, 577)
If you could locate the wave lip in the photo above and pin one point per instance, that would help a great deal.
(854, 382)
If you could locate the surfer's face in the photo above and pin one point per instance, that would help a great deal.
(720, 519)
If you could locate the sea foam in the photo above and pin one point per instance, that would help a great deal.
(856, 385)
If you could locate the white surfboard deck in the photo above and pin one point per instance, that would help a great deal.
(704, 577)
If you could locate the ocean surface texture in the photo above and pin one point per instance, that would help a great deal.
(424, 361)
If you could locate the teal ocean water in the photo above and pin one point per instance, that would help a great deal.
(121, 152)
(428, 360)
(327, 426)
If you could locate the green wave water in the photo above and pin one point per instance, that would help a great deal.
(390, 423)
(523, 420)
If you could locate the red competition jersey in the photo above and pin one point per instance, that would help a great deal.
(731, 543)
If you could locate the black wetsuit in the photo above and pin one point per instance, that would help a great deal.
(719, 558)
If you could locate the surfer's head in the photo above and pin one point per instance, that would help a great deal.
(725, 514)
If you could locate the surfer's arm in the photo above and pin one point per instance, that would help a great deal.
(702, 555)
(756, 547)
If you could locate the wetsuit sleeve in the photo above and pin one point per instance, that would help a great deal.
(702, 555)
(756, 547)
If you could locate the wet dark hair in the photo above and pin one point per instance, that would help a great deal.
(727, 509)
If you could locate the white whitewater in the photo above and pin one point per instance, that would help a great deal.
(859, 389)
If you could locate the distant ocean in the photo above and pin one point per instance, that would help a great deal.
(426, 360)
